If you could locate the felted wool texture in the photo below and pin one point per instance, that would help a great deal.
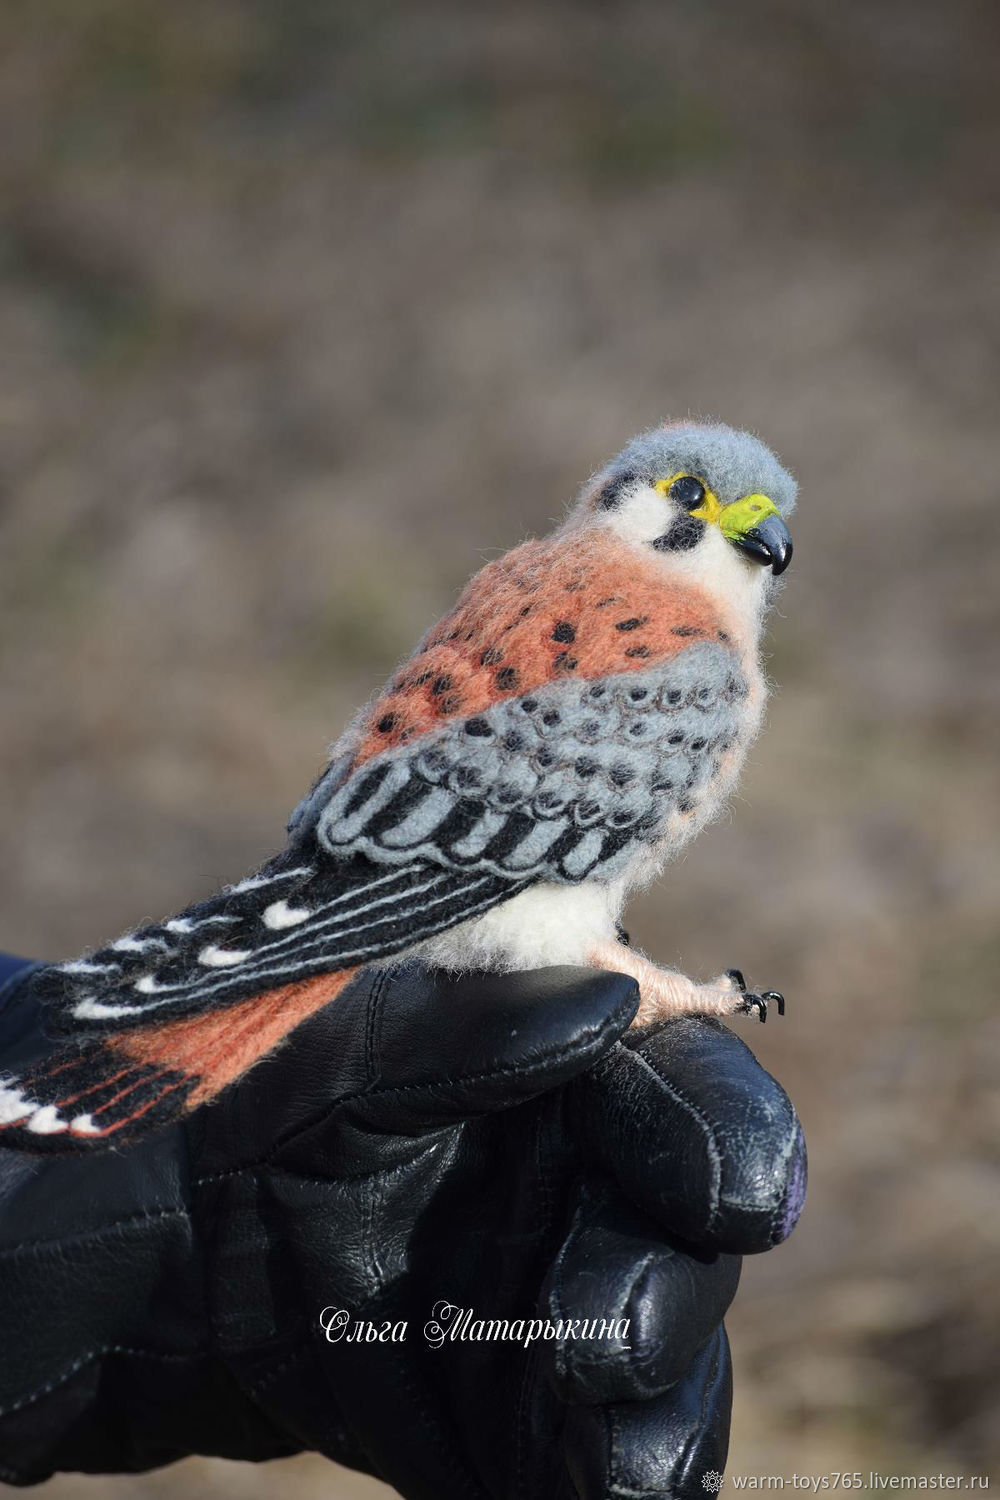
(117, 1087)
(289, 922)
(559, 784)
(189, 1005)
(569, 726)
(546, 611)
(731, 463)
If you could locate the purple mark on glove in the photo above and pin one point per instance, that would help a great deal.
(795, 1197)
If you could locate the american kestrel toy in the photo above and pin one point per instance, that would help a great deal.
(579, 716)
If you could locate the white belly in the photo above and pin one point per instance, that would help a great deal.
(545, 924)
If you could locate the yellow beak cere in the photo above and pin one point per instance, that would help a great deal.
(737, 519)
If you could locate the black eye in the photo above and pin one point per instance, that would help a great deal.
(687, 491)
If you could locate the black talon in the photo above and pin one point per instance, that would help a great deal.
(752, 1002)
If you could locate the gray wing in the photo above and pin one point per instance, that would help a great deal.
(559, 784)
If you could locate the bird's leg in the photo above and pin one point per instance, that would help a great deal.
(665, 992)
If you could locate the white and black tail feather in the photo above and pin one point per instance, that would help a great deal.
(292, 919)
(138, 1020)
(86, 1093)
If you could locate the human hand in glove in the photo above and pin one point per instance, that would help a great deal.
(501, 1145)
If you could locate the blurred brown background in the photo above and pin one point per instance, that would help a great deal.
(308, 309)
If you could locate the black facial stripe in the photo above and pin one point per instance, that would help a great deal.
(609, 497)
(686, 532)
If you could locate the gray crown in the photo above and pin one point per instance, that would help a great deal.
(732, 463)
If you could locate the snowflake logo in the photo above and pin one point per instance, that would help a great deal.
(712, 1481)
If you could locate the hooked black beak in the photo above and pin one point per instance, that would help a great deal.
(769, 542)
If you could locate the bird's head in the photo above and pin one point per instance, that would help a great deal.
(706, 500)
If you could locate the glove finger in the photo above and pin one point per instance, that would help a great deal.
(449, 1047)
(615, 1271)
(661, 1447)
(413, 1049)
(697, 1134)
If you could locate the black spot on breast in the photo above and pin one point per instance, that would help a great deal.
(609, 497)
(513, 741)
(638, 651)
(441, 684)
(564, 632)
(621, 774)
(564, 662)
(687, 630)
(529, 705)
(387, 723)
(585, 767)
(478, 727)
(633, 623)
(491, 657)
(506, 679)
(684, 533)
(551, 717)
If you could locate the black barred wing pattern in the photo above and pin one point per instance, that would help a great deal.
(561, 784)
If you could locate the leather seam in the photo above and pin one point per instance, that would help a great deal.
(711, 1143)
(557, 1267)
(89, 1358)
(256, 1387)
(706, 1387)
(86, 1235)
(276, 1170)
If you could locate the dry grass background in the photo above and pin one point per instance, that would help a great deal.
(306, 310)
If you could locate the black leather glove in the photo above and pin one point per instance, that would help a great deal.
(499, 1144)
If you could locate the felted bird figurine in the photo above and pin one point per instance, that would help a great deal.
(583, 711)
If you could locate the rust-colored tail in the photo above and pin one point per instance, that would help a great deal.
(116, 1089)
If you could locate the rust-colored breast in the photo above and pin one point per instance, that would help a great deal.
(543, 611)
